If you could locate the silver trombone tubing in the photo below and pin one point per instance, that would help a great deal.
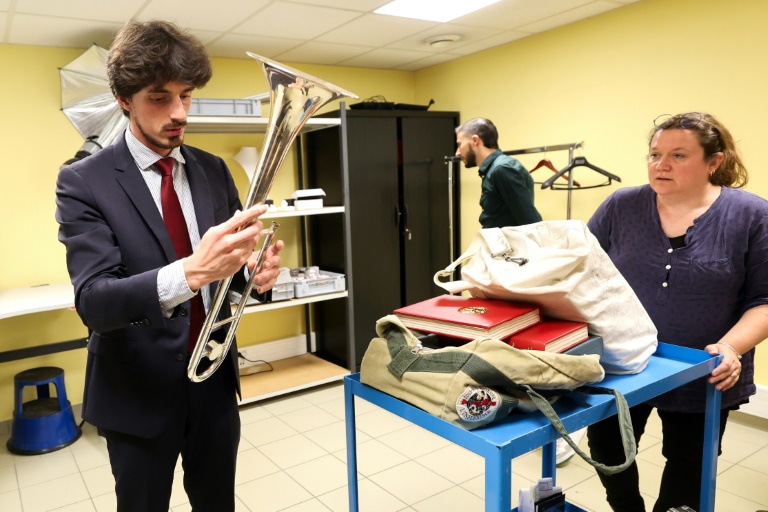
(294, 98)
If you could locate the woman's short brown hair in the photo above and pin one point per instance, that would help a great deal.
(714, 137)
(154, 53)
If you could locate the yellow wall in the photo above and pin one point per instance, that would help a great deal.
(604, 80)
(601, 81)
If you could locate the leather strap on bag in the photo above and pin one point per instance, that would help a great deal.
(625, 425)
(458, 285)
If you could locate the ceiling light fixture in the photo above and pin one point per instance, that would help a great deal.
(443, 40)
(432, 10)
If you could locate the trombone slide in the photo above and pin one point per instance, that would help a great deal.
(214, 350)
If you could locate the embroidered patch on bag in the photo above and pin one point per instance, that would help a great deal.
(477, 403)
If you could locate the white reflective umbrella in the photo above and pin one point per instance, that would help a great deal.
(88, 102)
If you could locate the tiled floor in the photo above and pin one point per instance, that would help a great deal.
(292, 458)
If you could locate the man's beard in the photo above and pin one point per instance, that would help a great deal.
(470, 160)
(170, 142)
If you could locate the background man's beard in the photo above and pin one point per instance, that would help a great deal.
(470, 160)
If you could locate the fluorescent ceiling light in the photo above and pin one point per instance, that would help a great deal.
(433, 10)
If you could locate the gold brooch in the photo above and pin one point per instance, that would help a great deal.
(474, 310)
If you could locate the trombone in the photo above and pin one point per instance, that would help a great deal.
(294, 98)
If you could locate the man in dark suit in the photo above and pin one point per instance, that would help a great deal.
(141, 286)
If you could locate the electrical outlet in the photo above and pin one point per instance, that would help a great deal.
(247, 367)
(243, 363)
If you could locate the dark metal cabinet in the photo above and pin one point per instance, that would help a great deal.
(388, 169)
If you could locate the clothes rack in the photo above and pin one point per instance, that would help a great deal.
(568, 169)
(453, 162)
(453, 169)
(545, 149)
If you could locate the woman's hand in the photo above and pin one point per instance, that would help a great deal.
(749, 331)
(728, 372)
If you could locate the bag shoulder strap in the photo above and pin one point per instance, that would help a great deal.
(625, 424)
(406, 359)
(457, 286)
(496, 244)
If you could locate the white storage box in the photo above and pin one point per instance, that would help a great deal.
(283, 289)
(327, 282)
(225, 107)
(308, 199)
(234, 298)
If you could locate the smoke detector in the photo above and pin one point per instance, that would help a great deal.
(442, 41)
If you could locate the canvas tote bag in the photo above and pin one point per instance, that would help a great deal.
(560, 266)
(483, 381)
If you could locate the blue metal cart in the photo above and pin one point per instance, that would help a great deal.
(670, 367)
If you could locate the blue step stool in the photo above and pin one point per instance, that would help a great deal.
(46, 424)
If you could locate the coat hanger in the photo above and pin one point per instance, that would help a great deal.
(581, 161)
(548, 164)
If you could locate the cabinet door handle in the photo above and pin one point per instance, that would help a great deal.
(406, 231)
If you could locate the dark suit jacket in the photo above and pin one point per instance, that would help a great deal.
(116, 243)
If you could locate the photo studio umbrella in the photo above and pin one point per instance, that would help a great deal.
(88, 102)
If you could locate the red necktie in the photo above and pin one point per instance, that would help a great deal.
(177, 228)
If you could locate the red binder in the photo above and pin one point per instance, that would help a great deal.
(550, 336)
(468, 317)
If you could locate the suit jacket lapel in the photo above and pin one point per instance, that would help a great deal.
(201, 197)
(201, 194)
(129, 177)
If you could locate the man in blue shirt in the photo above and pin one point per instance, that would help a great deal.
(507, 188)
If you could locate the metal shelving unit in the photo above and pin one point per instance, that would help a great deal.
(306, 370)
(247, 124)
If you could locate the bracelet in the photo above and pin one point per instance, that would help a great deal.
(730, 347)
